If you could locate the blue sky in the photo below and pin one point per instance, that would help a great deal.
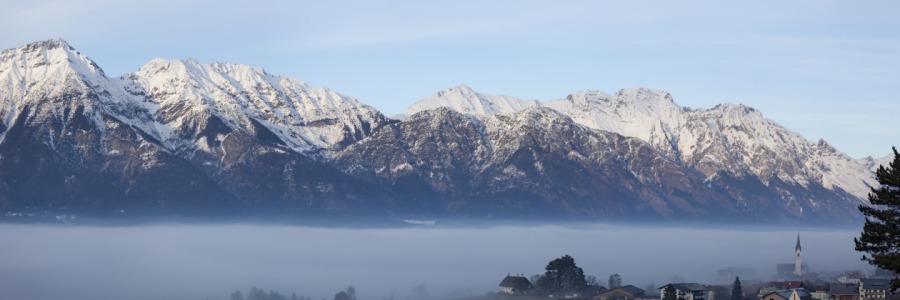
(826, 69)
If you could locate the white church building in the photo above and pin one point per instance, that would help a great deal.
(795, 269)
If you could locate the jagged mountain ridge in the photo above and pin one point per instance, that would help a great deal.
(241, 141)
(170, 141)
(726, 137)
(730, 138)
(537, 160)
(305, 118)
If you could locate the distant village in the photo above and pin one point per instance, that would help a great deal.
(792, 281)
(564, 280)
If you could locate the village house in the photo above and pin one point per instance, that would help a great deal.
(593, 291)
(791, 294)
(793, 284)
(821, 292)
(515, 285)
(843, 291)
(627, 292)
(763, 291)
(820, 295)
(873, 288)
(588, 293)
(850, 277)
(687, 291)
(757, 289)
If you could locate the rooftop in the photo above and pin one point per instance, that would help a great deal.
(517, 282)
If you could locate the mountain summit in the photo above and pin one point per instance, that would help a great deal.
(179, 138)
(463, 99)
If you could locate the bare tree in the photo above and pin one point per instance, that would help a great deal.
(615, 280)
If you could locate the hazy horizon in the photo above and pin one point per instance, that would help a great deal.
(211, 261)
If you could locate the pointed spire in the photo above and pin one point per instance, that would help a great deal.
(798, 242)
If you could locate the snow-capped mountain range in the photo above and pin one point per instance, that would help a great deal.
(168, 98)
(179, 92)
(177, 137)
(729, 137)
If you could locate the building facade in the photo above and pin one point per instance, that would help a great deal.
(515, 285)
(686, 291)
(874, 288)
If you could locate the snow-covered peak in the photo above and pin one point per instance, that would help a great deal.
(873, 163)
(53, 52)
(734, 138)
(648, 102)
(642, 94)
(192, 69)
(51, 78)
(304, 117)
(465, 100)
(47, 66)
(742, 117)
(736, 109)
(639, 112)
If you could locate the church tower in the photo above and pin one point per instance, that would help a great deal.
(798, 264)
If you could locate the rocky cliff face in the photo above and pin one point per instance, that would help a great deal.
(180, 138)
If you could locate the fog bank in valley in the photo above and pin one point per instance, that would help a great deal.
(209, 262)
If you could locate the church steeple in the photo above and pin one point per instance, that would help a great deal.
(798, 264)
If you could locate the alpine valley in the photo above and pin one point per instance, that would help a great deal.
(180, 139)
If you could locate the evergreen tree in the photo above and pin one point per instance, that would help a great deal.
(880, 237)
(737, 293)
(563, 275)
(669, 292)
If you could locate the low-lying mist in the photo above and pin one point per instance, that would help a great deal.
(211, 261)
